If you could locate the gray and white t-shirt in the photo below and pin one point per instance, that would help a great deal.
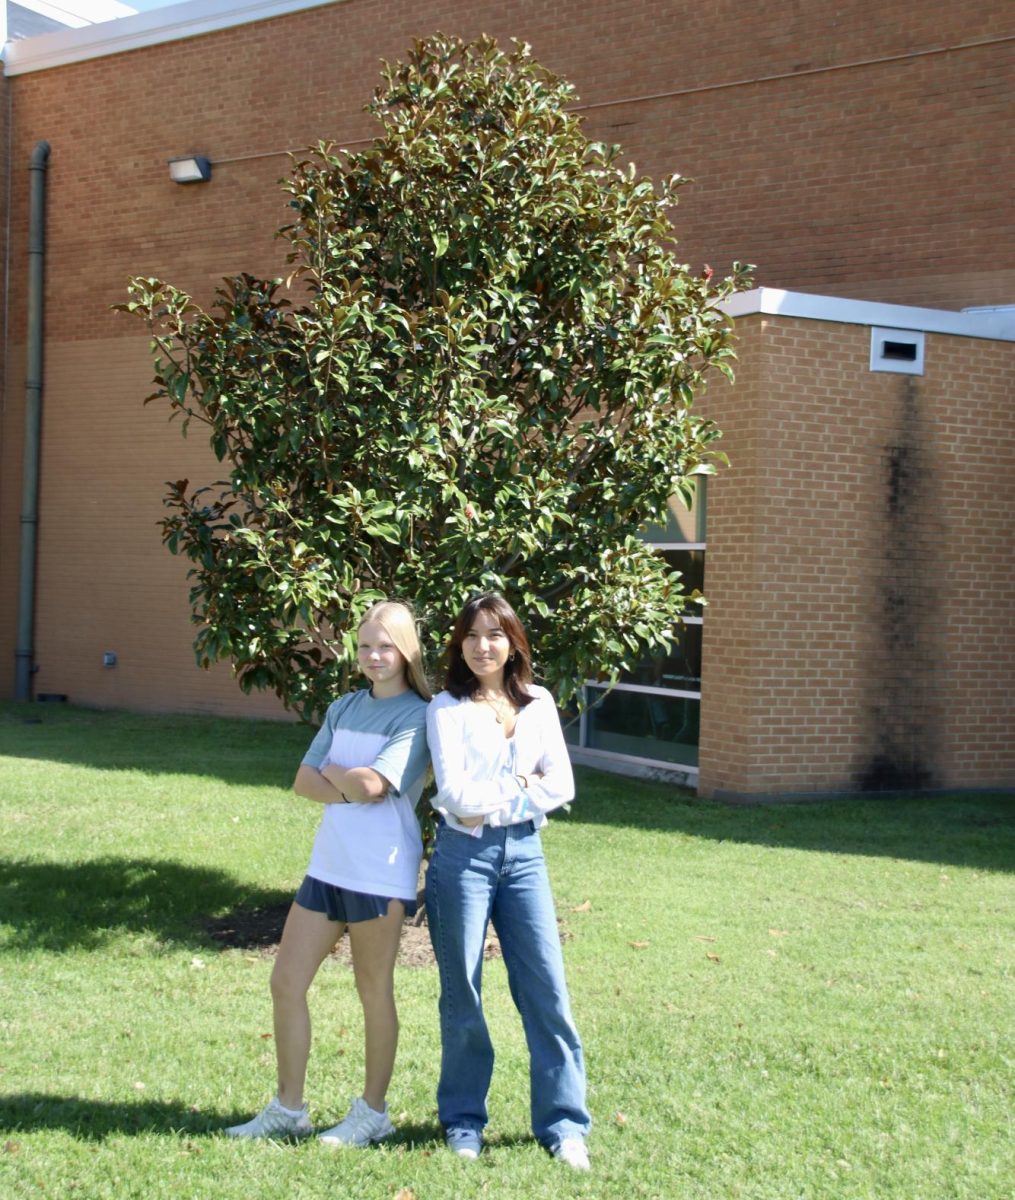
(372, 848)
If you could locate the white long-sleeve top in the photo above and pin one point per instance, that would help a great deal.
(476, 766)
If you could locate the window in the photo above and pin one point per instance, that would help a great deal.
(651, 717)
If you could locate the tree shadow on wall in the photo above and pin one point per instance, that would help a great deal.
(973, 830)
(64, 906)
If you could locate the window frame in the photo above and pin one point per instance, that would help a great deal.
(637, 763)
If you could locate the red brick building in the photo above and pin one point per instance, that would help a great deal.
(858, 551)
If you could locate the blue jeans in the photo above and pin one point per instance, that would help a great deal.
(501, 876)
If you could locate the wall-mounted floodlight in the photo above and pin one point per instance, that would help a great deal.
(189, 170)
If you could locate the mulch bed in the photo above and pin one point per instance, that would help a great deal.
(259, 930)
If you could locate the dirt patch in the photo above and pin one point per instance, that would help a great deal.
(260, 929)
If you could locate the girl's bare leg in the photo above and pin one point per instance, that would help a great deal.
(307, 940)
(374, 950)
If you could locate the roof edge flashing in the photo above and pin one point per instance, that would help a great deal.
(991, 326)
(172, 24)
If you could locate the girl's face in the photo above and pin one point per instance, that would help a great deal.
(379, 660)
(486, 648)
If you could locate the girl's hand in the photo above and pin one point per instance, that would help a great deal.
(334, 775)
(470, 822)
(356, 785)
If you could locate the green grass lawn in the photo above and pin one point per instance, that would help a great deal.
(777, 1003)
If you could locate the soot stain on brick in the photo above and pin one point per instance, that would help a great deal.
(905, 707)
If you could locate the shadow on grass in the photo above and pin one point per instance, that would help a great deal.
(96, 1120)
(62, 906)
(972, 829)
(243, 752)
(975, 830)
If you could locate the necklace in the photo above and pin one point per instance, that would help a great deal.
(501, 711)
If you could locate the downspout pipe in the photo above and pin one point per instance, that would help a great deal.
(25, 652)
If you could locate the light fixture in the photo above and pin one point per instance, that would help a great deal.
(189, 170)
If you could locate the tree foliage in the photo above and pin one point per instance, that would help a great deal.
(479, 374)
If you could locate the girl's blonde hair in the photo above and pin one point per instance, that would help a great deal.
(399, 624)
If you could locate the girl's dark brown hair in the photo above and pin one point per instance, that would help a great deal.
(460, 681)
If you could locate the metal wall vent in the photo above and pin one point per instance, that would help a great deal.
(898, 350)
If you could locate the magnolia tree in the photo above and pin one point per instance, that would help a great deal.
(478, 375)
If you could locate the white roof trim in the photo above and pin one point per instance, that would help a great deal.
(995, 326)
(74, 14)
(171, 24)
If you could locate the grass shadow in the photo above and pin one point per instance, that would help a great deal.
(96, 1120)
(243, 752)
(972, 829)
(62, 906)
(962, 829)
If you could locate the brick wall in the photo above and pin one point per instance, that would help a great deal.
(10, 439)
(104, 581)
(861, 625)
(885, 181)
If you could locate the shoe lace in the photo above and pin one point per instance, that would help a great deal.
(275, 1115)
(361, 1115)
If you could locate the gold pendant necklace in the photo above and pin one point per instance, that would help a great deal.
(498, 714)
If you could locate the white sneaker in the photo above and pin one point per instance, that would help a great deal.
(465, 1142)
(573, 1152)
(274, 1121)
(361, 1126)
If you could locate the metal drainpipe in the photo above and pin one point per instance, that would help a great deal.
(25, 653)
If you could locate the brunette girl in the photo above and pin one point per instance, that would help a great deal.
(501, 765)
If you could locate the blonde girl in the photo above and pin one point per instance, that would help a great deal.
(366, 767)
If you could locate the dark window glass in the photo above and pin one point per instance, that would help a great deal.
(681, 669)
(570, 723)
(641, 724)
(660, 727)
(691, 565)
(681, 525)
